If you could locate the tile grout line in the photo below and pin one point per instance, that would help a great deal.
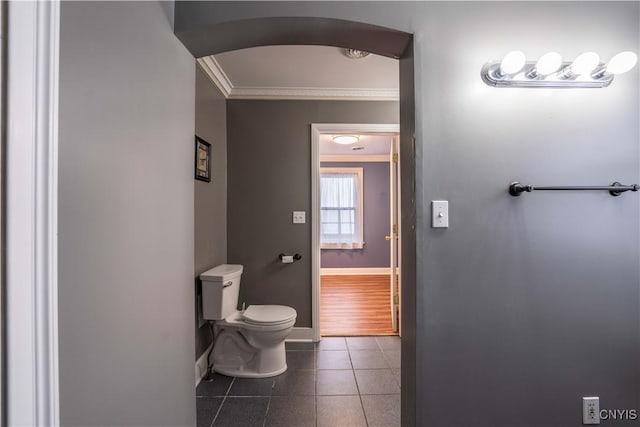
(223, 400)
(315, 381)
(355, 379)
(273, 384)
(315, 375)
(384, 355)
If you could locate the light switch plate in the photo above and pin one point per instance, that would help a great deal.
(590, 410)
(439, 214)
(299, 217)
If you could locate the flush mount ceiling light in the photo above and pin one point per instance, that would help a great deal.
(345, 139)
(550, 71)
(355, 53)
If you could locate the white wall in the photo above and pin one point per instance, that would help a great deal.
(126, 217)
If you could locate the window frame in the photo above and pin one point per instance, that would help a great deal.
(359, 172)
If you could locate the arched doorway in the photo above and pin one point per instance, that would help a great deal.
(205, 38)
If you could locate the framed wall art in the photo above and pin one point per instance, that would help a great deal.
(203, 160)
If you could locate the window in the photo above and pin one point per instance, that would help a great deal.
(341, 208)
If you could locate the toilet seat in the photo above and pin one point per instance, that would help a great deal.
(261, 318)
(268, 315)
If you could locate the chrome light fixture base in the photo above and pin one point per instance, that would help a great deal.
(491, 75)
(354, 53)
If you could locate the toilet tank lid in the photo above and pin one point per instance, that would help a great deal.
(222, 272)
(269, 313)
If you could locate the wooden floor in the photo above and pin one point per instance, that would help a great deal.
(355, 305)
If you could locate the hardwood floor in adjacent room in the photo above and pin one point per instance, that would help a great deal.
(355, 305)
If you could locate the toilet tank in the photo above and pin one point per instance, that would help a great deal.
(220, 287)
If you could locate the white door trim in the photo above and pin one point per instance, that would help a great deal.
(316, 130)
(32, 205)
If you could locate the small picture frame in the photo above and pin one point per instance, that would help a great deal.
(203, 160)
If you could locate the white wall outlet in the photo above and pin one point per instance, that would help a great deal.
(591, 410)
(299, 217)
(439, 214)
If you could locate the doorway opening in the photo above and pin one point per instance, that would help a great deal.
(356, 224)
(220, 35)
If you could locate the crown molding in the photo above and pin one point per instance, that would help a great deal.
(216, 74)
(344, 94)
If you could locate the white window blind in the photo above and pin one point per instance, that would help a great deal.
(341, 207)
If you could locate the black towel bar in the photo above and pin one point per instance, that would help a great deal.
(615, 189)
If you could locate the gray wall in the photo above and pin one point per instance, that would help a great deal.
(125, 217)
(210, 201)
(269, 173)
(376, 218)
(513, 295)
(520, 300)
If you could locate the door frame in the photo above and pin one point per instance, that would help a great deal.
(395, 233)
(318, 129)
(31, 207)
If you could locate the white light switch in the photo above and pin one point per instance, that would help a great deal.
(299, 217)
(439, 214)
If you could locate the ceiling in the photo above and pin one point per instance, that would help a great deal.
(302, 72)
(372, 145)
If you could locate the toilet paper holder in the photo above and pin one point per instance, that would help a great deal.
(296, 257)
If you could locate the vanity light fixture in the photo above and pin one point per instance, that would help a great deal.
(345, 139)
(585, 71)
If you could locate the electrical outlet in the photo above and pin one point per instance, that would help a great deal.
(591, 410)
(299, 217)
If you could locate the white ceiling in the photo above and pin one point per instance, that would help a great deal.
(372, 144)
(302, 72)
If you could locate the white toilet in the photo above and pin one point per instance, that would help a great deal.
(249, 343)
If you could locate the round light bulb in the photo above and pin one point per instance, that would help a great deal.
(512, 62)
(585, 63)
(345, 139)
(548, 63)
(622, 62)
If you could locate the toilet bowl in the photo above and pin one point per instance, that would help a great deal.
(252, 346)
(248, 343)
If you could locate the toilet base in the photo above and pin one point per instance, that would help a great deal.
(233, 356)
(243, 374)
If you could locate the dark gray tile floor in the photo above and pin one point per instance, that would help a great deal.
(348, 382)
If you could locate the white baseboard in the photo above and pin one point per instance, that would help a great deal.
(354, 271)
(201, 365)
(301, 335)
